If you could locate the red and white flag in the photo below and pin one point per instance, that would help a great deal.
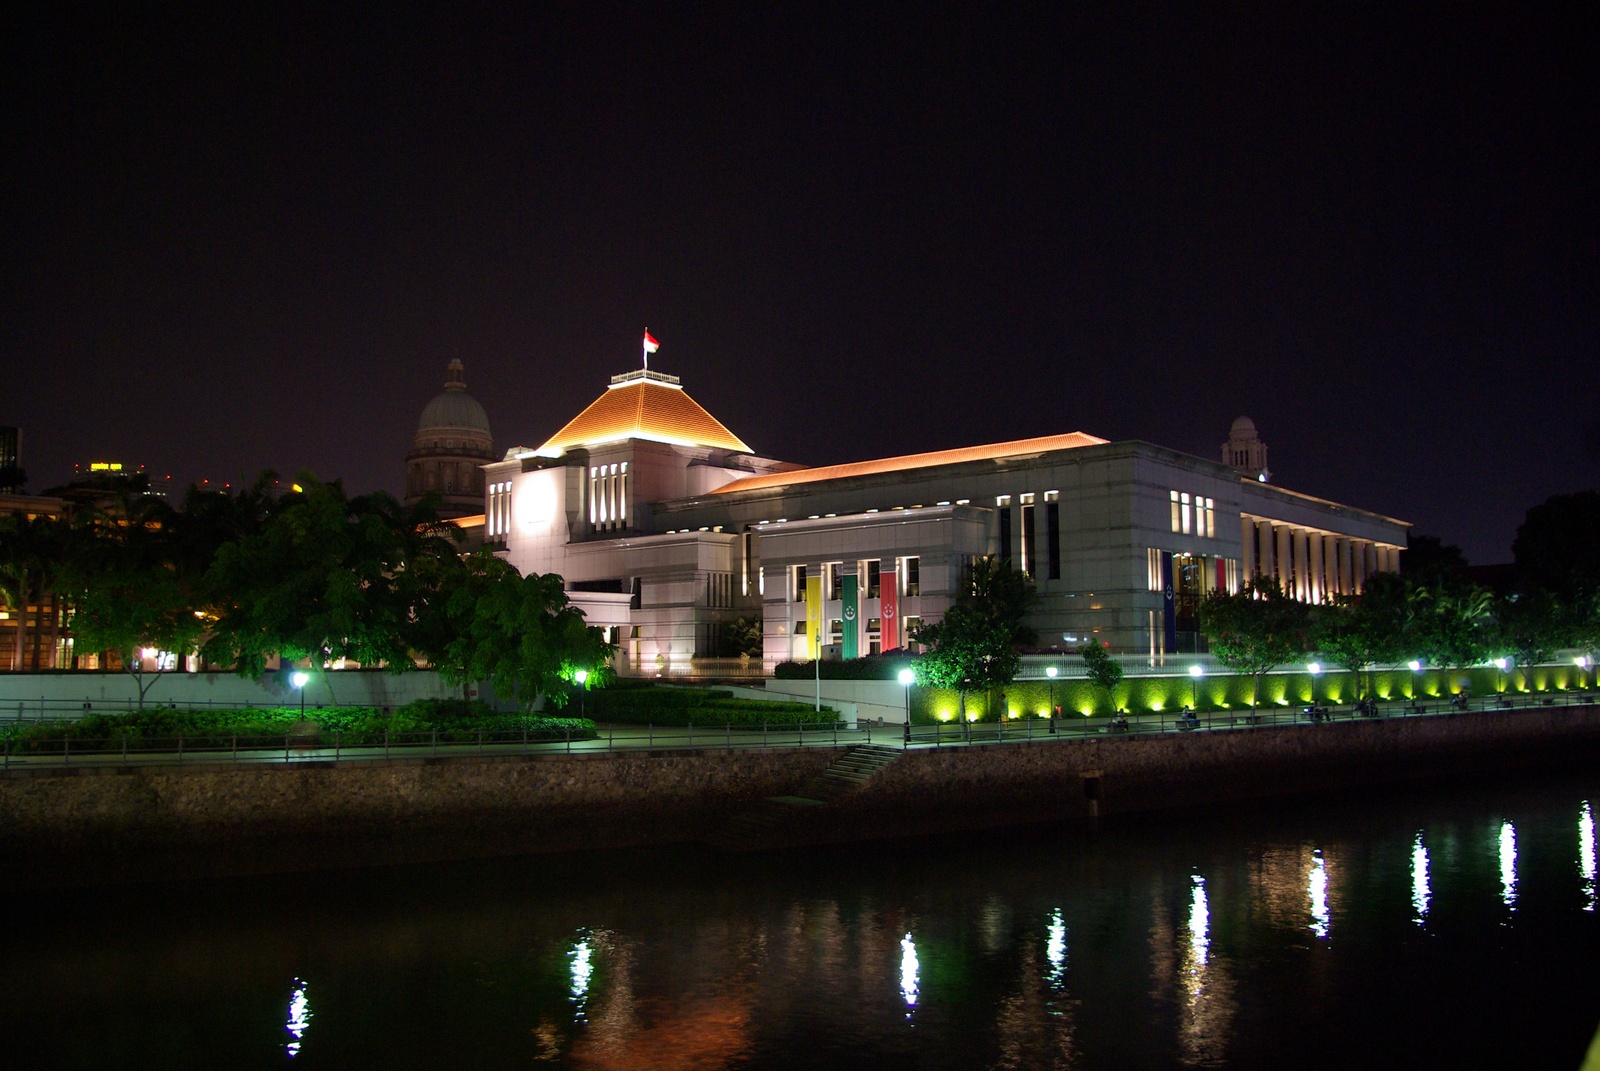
(650, 343)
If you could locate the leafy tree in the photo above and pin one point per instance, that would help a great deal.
(1360, 631)
(974, 647)
(1557, 548)
(32, 550)
(129, 592)
(743, 637)
(1103, 670)
(1449, 623)
(523, 635)
(1254, 631)
(324, 577)
(1531, 626)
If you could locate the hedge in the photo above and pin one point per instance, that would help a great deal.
(452, 719)
(1227, 691)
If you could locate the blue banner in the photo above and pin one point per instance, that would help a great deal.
(1169, 605)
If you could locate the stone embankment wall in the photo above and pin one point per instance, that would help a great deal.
(92, 825)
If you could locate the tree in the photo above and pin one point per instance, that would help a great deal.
(1103, 670)
(1531, 626)
(1360, 631)
(129, 593)
(974, 647)
(523, 635)
(1254, 631)
(1449, 623)
(1557, 547)
(32, 550)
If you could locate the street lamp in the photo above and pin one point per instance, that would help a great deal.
(907, 678)
(1315, 669)
(299, 679)
(1050, 671)
(582, 677)
(1415, 666)
(1582, 662)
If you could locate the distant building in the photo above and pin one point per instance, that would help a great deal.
(33, 634)
(666, 527)
(10, 460)
(450, 448)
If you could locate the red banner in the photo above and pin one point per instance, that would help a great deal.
(889, 608)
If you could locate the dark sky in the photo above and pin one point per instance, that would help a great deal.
(238, 241)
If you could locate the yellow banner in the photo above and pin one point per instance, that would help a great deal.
(814, 614)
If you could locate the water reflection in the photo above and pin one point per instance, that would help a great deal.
(1508, 865)
(908, 973)
(299, 1018)
(1317, 889)
(1586, 854)
(1055, 949)
(1199, 925)
(582, 968)
(1420, 894)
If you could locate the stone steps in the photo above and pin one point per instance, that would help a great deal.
(761, 827)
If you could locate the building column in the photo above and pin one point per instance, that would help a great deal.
(1247, 546)
(1267, 566)
(1319, 583)
(1285, 555)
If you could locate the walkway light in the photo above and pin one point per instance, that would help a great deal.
(1315, 668)
(907, 678)
(299, 679)
(1415, 666)
(1050, 671)
(582, 677)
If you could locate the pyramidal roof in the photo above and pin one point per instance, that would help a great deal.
(644, 405)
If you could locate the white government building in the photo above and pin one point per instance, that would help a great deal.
(667, 528)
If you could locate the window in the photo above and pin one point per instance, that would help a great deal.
(911, 577)
(797, 575)
(874, 578)
(834, 571)
(1209, 529)
(1028, 551)
(1175, 511)
(1052, 526)
(874, 635)
(1003, 505)
(1184, 499)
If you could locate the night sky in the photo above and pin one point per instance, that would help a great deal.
(240, 240)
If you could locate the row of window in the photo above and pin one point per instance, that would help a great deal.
(835, 631)
(497, 519)
(907, 574)
(1194, 515)
(1029, 554)
(608, 496)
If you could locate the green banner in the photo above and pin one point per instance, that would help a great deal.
(852, 617)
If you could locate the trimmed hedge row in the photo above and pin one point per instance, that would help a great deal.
(1218, 691)
(452, 719)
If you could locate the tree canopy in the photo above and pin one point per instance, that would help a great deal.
(1256, 630)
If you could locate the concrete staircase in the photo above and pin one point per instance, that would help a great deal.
(762, 827)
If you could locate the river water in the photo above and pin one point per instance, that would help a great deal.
(1455, 925)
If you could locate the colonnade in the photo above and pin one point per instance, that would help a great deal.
(1312, 565)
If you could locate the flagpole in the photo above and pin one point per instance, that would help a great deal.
(646, 346)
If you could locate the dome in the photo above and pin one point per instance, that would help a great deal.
(1243, 428)
(455, 408)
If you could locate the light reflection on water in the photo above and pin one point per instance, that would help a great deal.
(1419, 880)
(1508, 864)
(1317, 890)
(1055, 949)
(299, 1019)
(1586, 861)
(908, 973)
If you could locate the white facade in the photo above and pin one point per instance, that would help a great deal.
(669, 541)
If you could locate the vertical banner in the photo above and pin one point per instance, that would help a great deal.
(852, 616)
(814, 614)
(1169, 603)
(889, 608)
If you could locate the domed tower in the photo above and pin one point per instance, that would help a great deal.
(452, 441)
(1245, 452)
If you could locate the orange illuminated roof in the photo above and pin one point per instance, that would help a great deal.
(644, 405)
(992, 452)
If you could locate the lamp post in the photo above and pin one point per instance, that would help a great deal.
(907, 678)
(582, 677)
(299, 679)
(1050, 671)
(1196, 671)
(1582, 662)
(1315, 669)
(1500, 675)
(1415, 667)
